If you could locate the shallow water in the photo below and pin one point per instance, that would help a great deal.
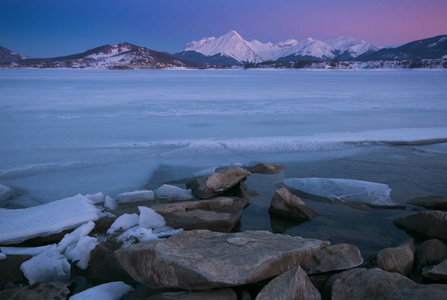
(65, 132)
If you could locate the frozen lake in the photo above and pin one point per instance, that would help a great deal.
(65, 132)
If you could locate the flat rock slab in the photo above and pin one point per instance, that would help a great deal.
(429, 223)
(202, 259)
(397, 259)
(334, 258)
(378, 284)
(294, 284)
(216, 183)
(218, 204)
(438, 272)
(432, 202)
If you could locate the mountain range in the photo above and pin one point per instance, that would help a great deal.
(232, 49)
(233, 46)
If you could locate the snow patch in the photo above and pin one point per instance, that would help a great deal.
(18, 225)
(171, 192)
(107, 291)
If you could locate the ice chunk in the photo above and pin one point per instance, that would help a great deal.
(18, 225)
(46, 267)
(81, 253)
(171, 192)
(142, 234)
(110, 203)
(149, 218)
(26, 250)
(344, 190)
(73, 237)
(97, 198)
(136, 196)
(107, 291)
(6, 192)
(2, 256)
(124, 222)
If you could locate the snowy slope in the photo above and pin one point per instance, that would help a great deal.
(120, 56)
(7, 56)
(234, 46)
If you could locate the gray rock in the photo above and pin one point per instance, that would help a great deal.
(294, 284)
(429, 253)
(334, 258)
(216, 183)
(223, 294)
(201, 259)
(397, 259)
(431, 202)
(438, 272)
(265, 168)
(429, 223)
(218, 204)
(52, 290)
(290, 206)
(378, 284)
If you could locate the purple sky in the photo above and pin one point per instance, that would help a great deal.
(47, 28)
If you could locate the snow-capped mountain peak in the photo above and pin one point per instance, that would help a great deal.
(233, 45)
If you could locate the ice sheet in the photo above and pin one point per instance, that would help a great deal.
(344, 190)
(106, 291)
(18, 225)
(83, 131)
(171, 192)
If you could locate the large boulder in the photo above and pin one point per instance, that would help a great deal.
(428, 223)
(397, 259)
(51, 290)
(431, 202)
(265, 168)
(201, 259)
(216, 183)
(334, 258)
(438, 272)
(429, 253)
(378, 284)
(290, 206)
(294, 284)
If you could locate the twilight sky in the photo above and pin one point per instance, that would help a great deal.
(48, 28)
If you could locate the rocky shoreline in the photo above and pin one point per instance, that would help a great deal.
(187, 245)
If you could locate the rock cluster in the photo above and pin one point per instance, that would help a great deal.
(183, 245)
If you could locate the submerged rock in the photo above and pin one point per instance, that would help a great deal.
(52, 290)
(371, 193)
(398, 259)
(290, 206)
(431, 202)
(378, 284)
(222, 294)
(429, 223)
(202, 259)
(428, 253)
(216, 183)
(438, 272)
(334, 258)
(265, 168)
(294, 284)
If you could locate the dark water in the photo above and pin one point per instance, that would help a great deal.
(410, 171)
